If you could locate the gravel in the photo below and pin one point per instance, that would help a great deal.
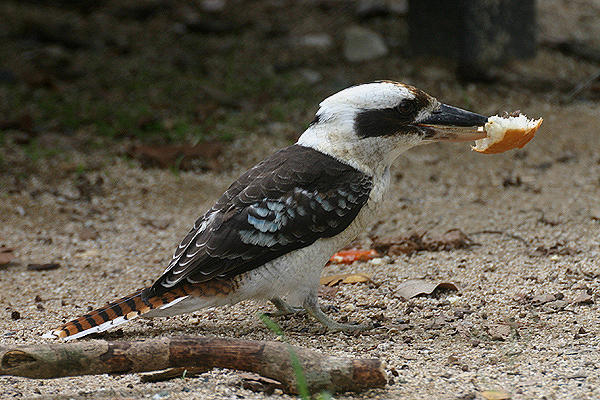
(525, 319)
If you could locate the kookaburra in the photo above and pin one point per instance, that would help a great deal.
(274, 229)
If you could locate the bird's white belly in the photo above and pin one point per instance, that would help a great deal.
(294, 275)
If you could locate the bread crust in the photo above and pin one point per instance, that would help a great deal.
(506, 133)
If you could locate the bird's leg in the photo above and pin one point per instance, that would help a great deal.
(283, 308)
(311, 304)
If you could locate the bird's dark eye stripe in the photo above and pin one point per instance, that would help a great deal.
(380, 122)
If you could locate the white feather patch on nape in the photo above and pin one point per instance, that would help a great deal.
(369, 96)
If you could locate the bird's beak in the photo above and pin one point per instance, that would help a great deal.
(453, 124)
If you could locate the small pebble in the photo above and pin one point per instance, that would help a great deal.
(377, 261)
(453, 360)
(349, 307)
(384, 346)
(161, 395)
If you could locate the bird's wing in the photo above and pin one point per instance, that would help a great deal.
(286, 202)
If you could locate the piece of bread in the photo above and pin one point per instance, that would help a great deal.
(506, 133)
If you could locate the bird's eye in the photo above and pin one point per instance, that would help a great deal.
(406, 107)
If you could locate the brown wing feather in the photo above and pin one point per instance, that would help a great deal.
(286, 202)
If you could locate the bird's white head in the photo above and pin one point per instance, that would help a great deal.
(369, 125)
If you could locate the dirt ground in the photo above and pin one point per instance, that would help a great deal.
(525, 320)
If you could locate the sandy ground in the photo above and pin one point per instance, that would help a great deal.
(526, 318)
(450, 345)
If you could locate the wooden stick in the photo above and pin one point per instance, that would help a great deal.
(269, 359)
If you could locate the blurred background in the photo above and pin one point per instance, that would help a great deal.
(171, 83)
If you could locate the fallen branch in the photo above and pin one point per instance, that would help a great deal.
(269, 359)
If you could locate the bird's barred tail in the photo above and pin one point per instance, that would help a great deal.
(116, 313)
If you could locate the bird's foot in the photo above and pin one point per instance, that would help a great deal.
(315, 310)
(284, 308)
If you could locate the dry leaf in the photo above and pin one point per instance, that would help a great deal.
(498, 394)
(438, 322)
(88, 233)
(88, 253)
(453, 360)
(555, 305)
(499, 331)
(357, 278)
(43, 267)
(416, 241)
(543, 298)
(258, 383)
(349, 256)
(179, 156)
(259, 378)
(7, 254)
(328, 292)
(158, 223)
(558, 248)
(414, 287)
(333, 280)
(583, 298)
(407, 244)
